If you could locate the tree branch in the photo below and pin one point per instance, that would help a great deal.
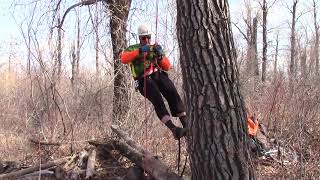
(241, 32)
(34, 168)
(82, 3)
(35, 141)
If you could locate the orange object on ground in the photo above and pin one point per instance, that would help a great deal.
(253, 126)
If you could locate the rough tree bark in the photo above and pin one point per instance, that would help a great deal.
(217, 142)
(118, 22)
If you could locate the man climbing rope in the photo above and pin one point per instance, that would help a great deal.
(148, 64)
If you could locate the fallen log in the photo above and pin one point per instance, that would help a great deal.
(83, 156)
(29, 170)
(90, 164)
(126, 138)
(44, 143)
(149, 163)
(8, 166)
(45, 172)
(130, 149)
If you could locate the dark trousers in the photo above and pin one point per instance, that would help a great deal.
(159, 83)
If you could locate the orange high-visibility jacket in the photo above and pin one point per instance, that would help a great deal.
(253, 126)
(135, 59)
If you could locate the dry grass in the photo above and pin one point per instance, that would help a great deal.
(85, 113)
(291, 115)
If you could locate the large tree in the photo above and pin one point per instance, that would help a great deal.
(293, 64)
(118, 22)
(264, 37)
(119, 11)
(316, 43)
(217, 142)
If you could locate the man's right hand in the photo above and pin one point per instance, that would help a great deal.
(144, 49)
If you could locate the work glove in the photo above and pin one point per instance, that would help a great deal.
(144, 49)
(158, 49)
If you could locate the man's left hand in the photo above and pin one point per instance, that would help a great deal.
(158, 49)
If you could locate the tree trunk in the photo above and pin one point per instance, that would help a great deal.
(218, 139)
(118, 23)
(275, 67)
(264, 37)
(73, 65)
(59, 50)
(249, 34)
(254, 47)
(78, 48)
(96, 27)
(293, 42)
(254, 51)
(303, 63)
(316, 44)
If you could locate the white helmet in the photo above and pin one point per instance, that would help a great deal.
(144, 30)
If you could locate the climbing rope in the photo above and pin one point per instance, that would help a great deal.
(179, 153)
(145, 81)
(145, 98)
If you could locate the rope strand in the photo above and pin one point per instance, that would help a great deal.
(145, 82)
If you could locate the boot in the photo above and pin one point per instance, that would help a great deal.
(184, 121)
(180, 132)
(176, 131)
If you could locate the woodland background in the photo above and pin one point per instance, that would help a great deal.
(57, 85)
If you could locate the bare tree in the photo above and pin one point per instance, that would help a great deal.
(265, 6)
(292, 67)
(264, 37)
(118, 24)
(250, 36)
(97, 40)
(254, 49)
(303, 62)
(275, 66)
(316, 43)
(75, 56)
(73, 65)
(56, 73)
(217, 140)
(119, 11)
(95, 23)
